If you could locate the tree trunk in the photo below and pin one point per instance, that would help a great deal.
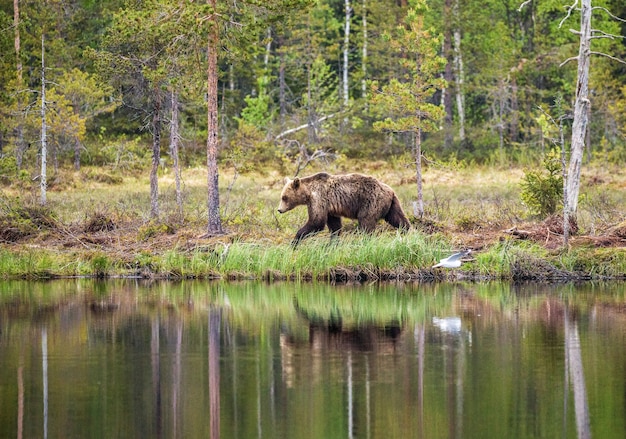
(214, 226)
(174, 147)
(581, 105)
(77, 155)
(156, 155)
(418, 207)
(282, 84)
(364, 53)
(458, 74)
(447, 75)
(21, 145)
(514, 124)
(43, 184)
(566, 215)
(346, 52)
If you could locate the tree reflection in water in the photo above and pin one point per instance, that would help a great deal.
(429, 361)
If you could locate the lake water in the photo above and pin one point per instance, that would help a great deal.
(123, 358)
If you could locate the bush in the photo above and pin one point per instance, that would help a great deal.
(542, 190)
(19, 220)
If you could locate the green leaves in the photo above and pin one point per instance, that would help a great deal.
(407, 100)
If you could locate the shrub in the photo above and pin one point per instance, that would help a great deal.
(542, 190)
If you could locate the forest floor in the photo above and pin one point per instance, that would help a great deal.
(476, 208)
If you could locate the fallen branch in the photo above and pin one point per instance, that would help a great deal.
(301, 127)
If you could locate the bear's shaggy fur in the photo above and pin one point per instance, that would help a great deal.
(329, 197)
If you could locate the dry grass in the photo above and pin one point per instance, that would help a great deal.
(469, 207)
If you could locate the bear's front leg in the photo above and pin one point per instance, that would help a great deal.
(310, 228)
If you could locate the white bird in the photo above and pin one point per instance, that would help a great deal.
(453, 261)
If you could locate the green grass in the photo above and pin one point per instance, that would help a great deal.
(462, 200)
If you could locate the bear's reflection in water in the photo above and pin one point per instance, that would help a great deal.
(331, 337)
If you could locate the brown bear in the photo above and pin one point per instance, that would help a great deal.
(329, 197)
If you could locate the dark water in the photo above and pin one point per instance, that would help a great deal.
(118, 359)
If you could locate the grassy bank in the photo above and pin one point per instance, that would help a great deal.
(354, 258)
(96, 224)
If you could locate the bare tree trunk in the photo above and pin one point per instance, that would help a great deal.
(564, 170)
(282, 85)
(364, 53)
(458, 74)
(43, 184)
(418, 207)
(581, 105)
(346, 52)
(21, 145)
(514, 124)
(447, 75)
(77, 147)
(174, 148)
(214, 224)
(156, 155)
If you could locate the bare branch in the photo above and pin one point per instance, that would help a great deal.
(569, 12)
(604, 34)
(615, 17)
(608, 56)
(573, 58)
(301, 127)
(523, 5)
(574, 31)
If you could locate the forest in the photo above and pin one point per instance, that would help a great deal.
(119, 88)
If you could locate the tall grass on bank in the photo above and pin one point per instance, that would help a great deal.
(353, 257)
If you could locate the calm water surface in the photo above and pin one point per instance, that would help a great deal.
(120, 359)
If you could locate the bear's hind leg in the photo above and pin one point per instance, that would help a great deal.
(334, 225)
(396, 216)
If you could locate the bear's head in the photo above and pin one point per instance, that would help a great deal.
(293, 194)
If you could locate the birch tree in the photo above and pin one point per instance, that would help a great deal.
(458, 71)
(43, 183)
(346, 53)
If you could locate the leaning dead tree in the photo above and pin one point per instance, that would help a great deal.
(582, 103)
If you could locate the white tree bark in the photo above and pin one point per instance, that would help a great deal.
(364, 53)
(43, 184)
(458, 77)
(581, 105)
(346, 52)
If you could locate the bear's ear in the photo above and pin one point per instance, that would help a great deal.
(296, 183)
(287, 180)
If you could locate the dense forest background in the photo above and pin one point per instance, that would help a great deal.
(296, 80)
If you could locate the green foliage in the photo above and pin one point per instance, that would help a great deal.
(257, 111)
(248, 148)
(407, 100)
(120, 154)
(542, 190)
(10, 174)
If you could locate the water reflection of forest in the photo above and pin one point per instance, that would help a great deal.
(315, 335)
